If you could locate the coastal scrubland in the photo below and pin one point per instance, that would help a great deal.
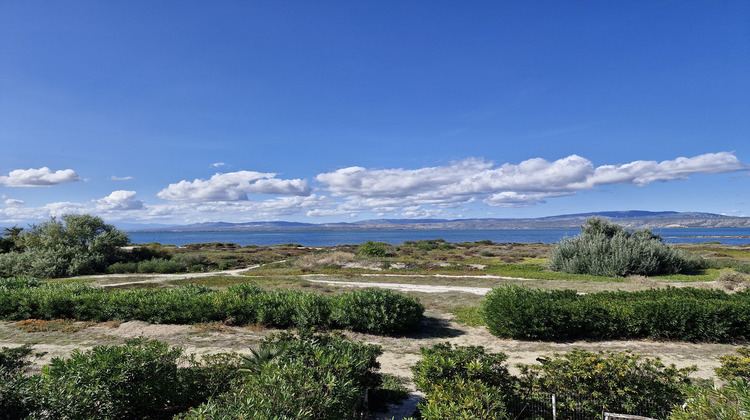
(506, 319)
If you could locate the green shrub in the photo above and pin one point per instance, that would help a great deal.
(376, 311)
(675, 313)
(614, 382)
(520, 312)
(123, 268)
(463, 382)
(136, 380)
(17, 391)
(730, 402)
(735, 366)
(314, 376)
(373, 249)
(607, 249)
(463, 399)
(160, 265)
(444, 363)
(9, 283)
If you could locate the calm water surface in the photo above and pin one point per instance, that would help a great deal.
(730, 236)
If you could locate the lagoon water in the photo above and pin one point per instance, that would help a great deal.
(730, 236)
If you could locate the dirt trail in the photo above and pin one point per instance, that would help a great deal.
(399, 355)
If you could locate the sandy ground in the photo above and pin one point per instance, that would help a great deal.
(400, 353)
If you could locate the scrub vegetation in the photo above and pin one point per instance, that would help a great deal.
(320, 375)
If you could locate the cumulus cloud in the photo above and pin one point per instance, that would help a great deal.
(42, 177)
(119, 200)
(120, 178)
(233, 186)
(508, 185)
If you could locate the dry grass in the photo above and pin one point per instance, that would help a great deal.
(325, 259)
(733, 281)
(213, 327)
(62, 325)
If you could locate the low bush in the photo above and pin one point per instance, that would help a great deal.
(373, 311)
(136, 380)
(463, 399)
(445, 363)
(160, 265)
(141, 379)
(614, 382)
(17, 391)
(607, 249)
(373, 249)
(463, 382)
(377, 311)
(735, 366)
(675, 313)
(729, 402)
(312, 376)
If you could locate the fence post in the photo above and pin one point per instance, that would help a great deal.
(554, 408)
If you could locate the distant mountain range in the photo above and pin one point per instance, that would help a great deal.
(630, 218)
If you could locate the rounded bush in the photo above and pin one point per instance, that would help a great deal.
(376, 311)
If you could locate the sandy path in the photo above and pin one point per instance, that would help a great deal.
(404, 287)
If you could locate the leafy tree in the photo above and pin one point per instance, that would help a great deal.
(10, 239)
(72, 245)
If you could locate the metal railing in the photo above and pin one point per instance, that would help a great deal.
(542, 406)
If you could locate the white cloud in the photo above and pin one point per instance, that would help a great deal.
(508, 185)
(42, 177)
(120, 178)
(643, 172)
(233, 186)
(13, 202)
(436, 191)
(119, 200)
(218, 164)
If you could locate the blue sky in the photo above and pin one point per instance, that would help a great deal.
(177, 112)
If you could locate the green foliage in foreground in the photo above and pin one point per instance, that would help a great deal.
(141, 379)
(462, 382)
(16, 400)
(607, 249)
(686, 314)
(735, 366)
(615, 382)
(469, 383)
(370, 310)
(312, 377)
(729, 402)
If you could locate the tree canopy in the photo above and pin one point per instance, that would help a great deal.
(72, 245)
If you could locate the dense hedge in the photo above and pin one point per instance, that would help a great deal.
(369, 310)
(675, 314)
